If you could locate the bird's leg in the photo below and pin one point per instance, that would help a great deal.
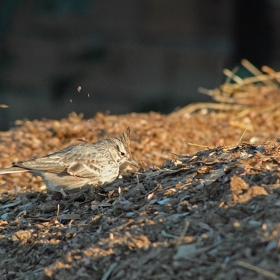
(63, 193)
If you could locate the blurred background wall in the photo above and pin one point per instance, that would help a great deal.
(127, 55)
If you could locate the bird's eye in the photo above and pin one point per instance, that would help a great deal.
(119, 150)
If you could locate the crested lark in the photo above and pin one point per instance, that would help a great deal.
(80, 165)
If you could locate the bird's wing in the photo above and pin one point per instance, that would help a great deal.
(80, 160)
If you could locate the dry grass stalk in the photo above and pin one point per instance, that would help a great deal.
(198, 145)
(241, 138)
(259, 270)
(255, 71)
(257, 93)
(181, 238)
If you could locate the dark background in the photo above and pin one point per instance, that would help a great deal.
(127, 55)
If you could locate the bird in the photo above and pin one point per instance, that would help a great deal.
(81, 165)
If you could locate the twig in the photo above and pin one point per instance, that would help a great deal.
(109, 271)
(200, 106)
(153, 190)
(234, 77)
(165, 234)
(258, 270)
(228, 79)
(58, 210)
(180, 239)
(261, 78)
(197, 145)
(248, 65)
(272, 73)
(241, 138)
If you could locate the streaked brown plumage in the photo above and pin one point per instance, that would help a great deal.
(80, 165)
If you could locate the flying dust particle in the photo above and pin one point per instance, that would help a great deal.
(4, 106)
(79, 88)
(71, 100)
(88, 95)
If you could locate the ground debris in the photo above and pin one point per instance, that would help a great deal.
(224, 198)
(191, 212)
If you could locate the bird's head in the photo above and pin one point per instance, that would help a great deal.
(122, 149)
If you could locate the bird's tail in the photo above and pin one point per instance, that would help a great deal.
(12, 170)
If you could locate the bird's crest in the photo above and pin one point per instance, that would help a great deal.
(125, 138)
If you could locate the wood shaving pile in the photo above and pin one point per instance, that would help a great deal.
(205, 204)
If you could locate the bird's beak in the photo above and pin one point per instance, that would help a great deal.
(133, 162)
